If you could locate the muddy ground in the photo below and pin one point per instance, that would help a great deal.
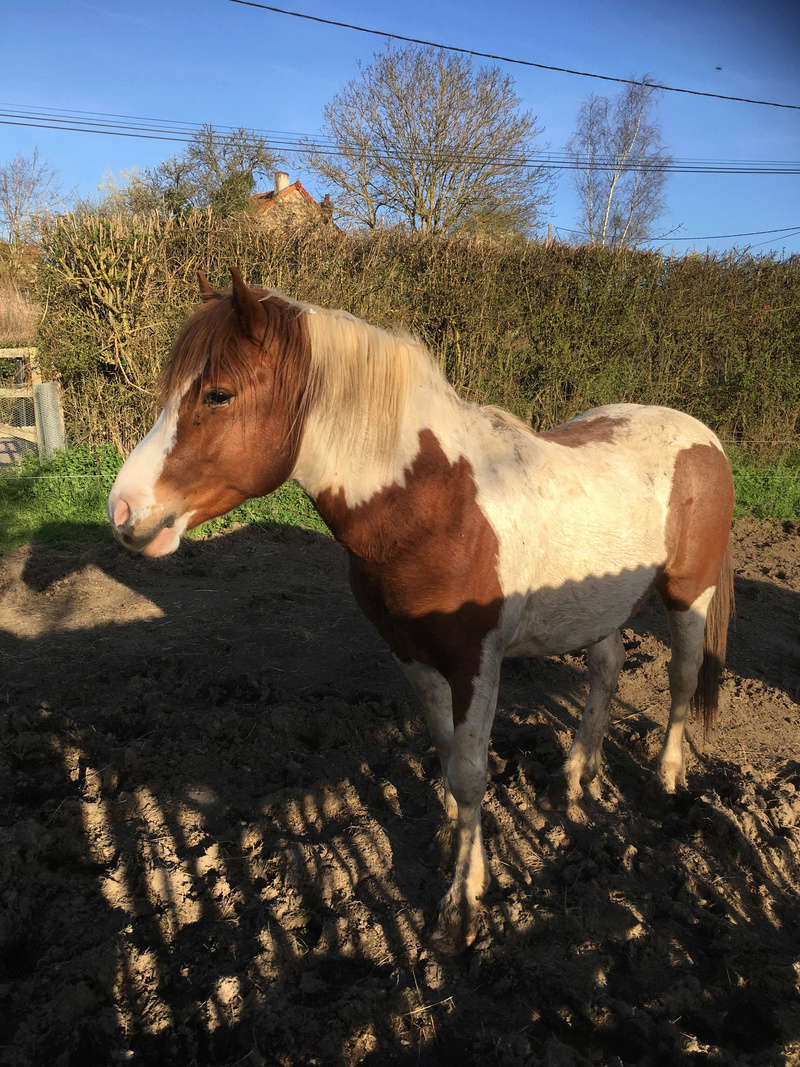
(218, 802)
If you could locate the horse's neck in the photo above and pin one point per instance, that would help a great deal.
(347, 475)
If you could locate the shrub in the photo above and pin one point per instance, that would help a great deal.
(544, 331)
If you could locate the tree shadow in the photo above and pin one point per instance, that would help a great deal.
(215, 827)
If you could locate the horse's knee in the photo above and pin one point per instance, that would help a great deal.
(605, 660)
(466, 774)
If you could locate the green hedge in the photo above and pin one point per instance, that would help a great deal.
(544, 331)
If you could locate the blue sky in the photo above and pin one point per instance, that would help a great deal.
(216, 61)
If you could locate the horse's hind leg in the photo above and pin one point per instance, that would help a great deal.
(686, 630)
(605, 659)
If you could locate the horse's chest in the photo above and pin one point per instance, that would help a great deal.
(433, 617)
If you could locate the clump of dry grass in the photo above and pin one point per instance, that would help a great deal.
(18, 318)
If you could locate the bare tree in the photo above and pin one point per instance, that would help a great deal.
(217, 170)
(419, 137)
(28, 194)
(620, 166)
(129, 193)
(221, 169)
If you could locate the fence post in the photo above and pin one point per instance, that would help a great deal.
(49, 418)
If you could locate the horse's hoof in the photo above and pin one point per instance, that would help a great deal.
(576, 813)
(456, 928)
(670, 779)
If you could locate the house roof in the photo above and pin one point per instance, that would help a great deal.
(264, 201)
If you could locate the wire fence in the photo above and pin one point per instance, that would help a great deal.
(16, 470)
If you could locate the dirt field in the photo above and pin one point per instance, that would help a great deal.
(218, 802)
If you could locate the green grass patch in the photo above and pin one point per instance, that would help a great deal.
(63, 499)
(58, 500)
(287, 506)
(768, 492)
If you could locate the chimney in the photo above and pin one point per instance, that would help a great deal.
(281, 181)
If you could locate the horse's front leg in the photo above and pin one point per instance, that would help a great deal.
(463, 751)
(436, 698)
(465, 773)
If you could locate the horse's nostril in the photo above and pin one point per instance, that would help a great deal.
(122, 512)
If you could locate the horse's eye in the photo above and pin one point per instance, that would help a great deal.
(217, 398)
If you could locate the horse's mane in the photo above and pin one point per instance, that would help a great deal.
(365, 375)
(208, 346)
(361, 374)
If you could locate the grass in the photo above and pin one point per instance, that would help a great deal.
(18, 318)
(768, 492)
(64, 499)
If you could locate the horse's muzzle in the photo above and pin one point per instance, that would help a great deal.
(148, 538)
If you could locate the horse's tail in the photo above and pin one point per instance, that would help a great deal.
(715, 641)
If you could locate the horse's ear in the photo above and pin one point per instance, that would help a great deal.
(206, 292)
(249, 310)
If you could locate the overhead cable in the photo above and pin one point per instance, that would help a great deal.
(508, 59)
(324, 147)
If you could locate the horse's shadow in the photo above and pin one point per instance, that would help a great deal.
(221, 918)
(270, 551)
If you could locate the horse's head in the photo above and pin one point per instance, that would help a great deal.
(231, 423)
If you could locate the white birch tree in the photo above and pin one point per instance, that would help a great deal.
(620, 166)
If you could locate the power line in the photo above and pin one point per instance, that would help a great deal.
(786, 236)
(107, 133)
(59, 114)
(508, 59)
(722, 236)
(788, 231)
(172, 131)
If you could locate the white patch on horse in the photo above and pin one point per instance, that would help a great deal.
(135, 484)
(136, 481)
(581, 530)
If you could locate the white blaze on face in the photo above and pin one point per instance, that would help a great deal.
(132, 501)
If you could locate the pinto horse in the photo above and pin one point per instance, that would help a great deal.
(470, 537)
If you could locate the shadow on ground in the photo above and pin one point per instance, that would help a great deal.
(218, 799)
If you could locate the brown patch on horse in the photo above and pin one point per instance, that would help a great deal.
(249, 447)
(423, 566)
(579, 432)
(698, 523)
(699, 513)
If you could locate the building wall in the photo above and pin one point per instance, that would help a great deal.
(292, 207)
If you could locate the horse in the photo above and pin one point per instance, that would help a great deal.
(470, 537)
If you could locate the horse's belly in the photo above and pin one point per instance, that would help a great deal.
(548, 621)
